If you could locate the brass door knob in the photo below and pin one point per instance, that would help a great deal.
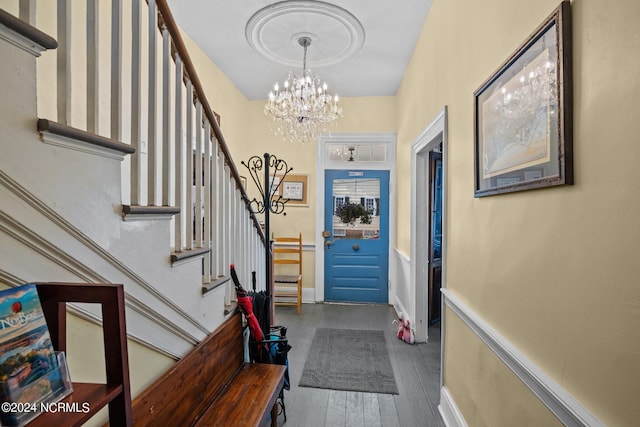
(356, 247)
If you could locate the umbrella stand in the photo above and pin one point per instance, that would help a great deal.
(271, 346)
(271, 202)
(245, 302)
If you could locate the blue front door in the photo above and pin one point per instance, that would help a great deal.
(356, 250)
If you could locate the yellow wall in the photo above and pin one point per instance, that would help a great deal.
(553, 270)
(85, 353)
(86, 357)
(223, 96)
(487, 392)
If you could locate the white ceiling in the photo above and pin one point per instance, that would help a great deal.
(359, 47)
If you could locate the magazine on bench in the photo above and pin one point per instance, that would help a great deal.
(32, 374)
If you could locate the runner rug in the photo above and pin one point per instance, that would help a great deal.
(349, 359)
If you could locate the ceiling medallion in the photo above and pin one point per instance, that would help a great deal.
(302, 107)
(273, 31)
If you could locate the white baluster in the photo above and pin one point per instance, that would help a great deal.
(220, 212)
(242, 242)
(226, 206)
(167, 60)
(239, 244)
(152, 164)
(228, 293)
(116, 70)
(252, 246)
(64, 62)
(188, 187)
(207, 200)
(198, 176)
(233, 223)
(27, 11)
(179, 158)
(93, 68)
(215, 213)
(137, 158)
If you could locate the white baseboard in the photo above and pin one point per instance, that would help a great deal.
(308, 295)
(449, 411)
(558, 400)
(400, 309)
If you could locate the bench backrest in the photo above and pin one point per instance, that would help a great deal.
(180, 395)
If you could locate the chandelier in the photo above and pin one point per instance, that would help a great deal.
(302, 109)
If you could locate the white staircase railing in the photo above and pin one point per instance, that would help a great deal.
(123, 72)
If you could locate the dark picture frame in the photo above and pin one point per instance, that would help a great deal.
(523, 114)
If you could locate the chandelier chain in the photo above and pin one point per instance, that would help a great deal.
(304, 60)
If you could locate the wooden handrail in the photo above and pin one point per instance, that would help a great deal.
(24, 29)
(190, 70)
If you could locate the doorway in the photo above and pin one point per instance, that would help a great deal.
(428, 224)
(435, 237)
(355, 152)
(356, 236)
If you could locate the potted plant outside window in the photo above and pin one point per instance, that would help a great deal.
(350, 212)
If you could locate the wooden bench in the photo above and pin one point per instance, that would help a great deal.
(212, 386)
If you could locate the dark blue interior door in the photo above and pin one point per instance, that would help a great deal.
(356, 261)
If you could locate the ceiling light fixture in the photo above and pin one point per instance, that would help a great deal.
(302, 109)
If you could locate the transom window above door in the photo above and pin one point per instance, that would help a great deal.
(374, 153)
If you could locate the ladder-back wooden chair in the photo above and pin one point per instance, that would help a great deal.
(285, 258)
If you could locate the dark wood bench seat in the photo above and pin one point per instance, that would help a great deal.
(235, 407)
(212, 386)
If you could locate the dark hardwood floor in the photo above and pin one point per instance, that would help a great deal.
(416, 369)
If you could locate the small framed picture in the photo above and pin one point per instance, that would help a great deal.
(294, 188)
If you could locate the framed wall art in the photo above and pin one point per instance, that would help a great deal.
(523, 135)
(294, 188)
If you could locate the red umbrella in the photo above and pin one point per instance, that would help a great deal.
(246, 305)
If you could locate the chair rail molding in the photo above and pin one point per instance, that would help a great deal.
(558, 400)
(306, 246)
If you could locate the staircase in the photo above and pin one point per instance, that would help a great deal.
(114, 168)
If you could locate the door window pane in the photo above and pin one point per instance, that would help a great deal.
(356, 208)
